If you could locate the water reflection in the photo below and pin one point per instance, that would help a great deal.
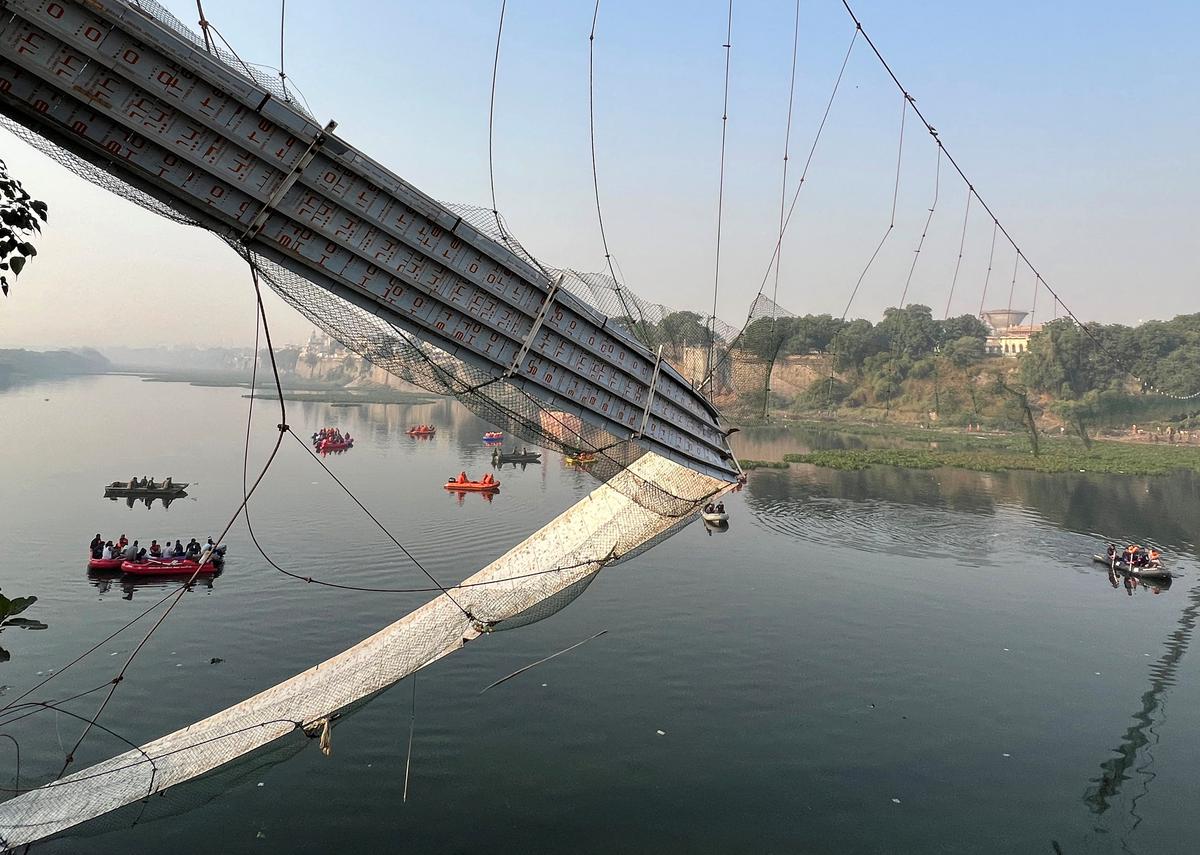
(148, 501)
(130, 585)
(973, 514)
(1140, 737)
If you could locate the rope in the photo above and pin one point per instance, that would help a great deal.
(712, 338)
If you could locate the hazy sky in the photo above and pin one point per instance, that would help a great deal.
(1077, 121)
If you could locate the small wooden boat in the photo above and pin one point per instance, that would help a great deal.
(169, 567)
(715, 518)
(1156, 571)
(416, 431)
(121, 488)
(473, 486)
(110, 565)
(518, 457)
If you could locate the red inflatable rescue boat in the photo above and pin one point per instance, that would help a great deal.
(109, 564)
(473, 486)
(326, 445)
(429, 431)
(170, 567)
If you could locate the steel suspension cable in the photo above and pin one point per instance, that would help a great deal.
(796, 195)
(608, 259)
(987, 277)
(208, 556)
(787, 138)
(712, 336)
(937, 181)
(962, 242)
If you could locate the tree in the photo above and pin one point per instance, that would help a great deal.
(910, 331)
(21, 217)
(855, 342)
(964, 351)
(682, 329)
(964, 326)
(1065, 361)
(765, 337)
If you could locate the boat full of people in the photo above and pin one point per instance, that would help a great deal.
(579, 458)
(488, 484)
(167, 558)
(329, 439)
(145, 486)
(1134, 560)
(422, 430)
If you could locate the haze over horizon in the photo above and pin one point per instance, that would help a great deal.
(1078, 124)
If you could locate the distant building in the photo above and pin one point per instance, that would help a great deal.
(1007, 336)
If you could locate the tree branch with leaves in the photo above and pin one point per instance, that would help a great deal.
(21, 218)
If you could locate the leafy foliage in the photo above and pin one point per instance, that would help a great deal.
(9, 609)
(21, 217)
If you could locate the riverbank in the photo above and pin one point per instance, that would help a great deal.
(296, 390)
(931, 448)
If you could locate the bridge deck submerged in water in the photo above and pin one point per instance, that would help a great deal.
(113, 83)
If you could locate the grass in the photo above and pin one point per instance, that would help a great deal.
(747, 465)
(1057, 456)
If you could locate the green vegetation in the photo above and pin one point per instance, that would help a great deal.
(748, 465)
(1056, 456)
(9, 609)
(911, 367)
(21, 217)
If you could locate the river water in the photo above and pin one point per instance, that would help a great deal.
(876, 661)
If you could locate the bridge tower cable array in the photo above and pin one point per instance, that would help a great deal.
(973, 190)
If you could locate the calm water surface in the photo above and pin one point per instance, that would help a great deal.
(878, 661)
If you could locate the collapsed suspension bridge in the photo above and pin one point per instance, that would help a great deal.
(127, 97)
(440, 295)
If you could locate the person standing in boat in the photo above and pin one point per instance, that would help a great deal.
(96, 545)
(131, 552)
